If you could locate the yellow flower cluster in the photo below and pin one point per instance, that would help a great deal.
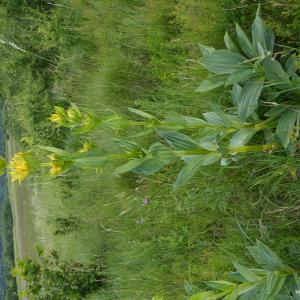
(56, 165)
(86, 147)
(59, 116)
(20, 167)
(66, 117)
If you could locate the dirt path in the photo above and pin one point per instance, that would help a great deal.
(20, 195)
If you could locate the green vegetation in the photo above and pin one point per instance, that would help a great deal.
(105, 56)
(274, 279)
(53, 278)
(6, 232)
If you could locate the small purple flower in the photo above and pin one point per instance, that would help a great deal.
(146, 201)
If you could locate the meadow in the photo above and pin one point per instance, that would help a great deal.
(106, 56)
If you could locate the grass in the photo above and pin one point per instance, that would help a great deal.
(107, 55)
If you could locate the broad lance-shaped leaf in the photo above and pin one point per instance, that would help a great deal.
(225, 118)
(220, 119)
(261, 35)
(248, 101)
(230, 45)
(234, 295)
(242, 137)
(291, 65)
(235, 93)
(57, 151)
(141, 113)
(205, 295)
(239, 76)
(286, 124)
(129, 166)
(277, 110)
(211, 82)
(206, 50)
(248, 274)
(92, 159)
(224, 62)
(191, 289)
(179, 141)
(128, 146)
(158, 157)
(276, 74)
(267, 258)
(274, 284)
(245, 43)
(193, 166)
(221, 285)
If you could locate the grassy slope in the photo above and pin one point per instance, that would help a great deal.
(133, 54)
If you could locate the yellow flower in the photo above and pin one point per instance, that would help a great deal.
(59, 116)
(56, 164)
(56, 118)
(86, 147)
(20, 167)
(56, 168)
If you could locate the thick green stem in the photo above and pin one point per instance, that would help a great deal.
(199, 151)
(269, 123)
(254, 148)
(123, 156)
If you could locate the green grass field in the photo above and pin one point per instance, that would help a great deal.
(108, 55)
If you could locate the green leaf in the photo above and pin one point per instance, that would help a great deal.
(205, 295)
(277, 110)
(267, 258)
(261, 35)
(275, 73)
(291, 65)
(224, 62)
(158, 157)
(141, 113)
(245, 43)
(191, 289)
(242, 137)
(128, 146)
(215, 118)
(286, 124)
(92, 159)
(239, 76)
(211, 82)
(206, 50)
(174, 117)
(129, 166)
(55, 150)
(178, 141)
(248, 100)
(230, 45)
(193, 166)
(207, 134)
(246, 273)
(115, 122)
(221, 285)
(90, 123)
(274, 283)
(225, 118)
(236, 92)
(234, 295)
(194, 121)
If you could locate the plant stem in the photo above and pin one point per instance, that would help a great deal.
(254, 148)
